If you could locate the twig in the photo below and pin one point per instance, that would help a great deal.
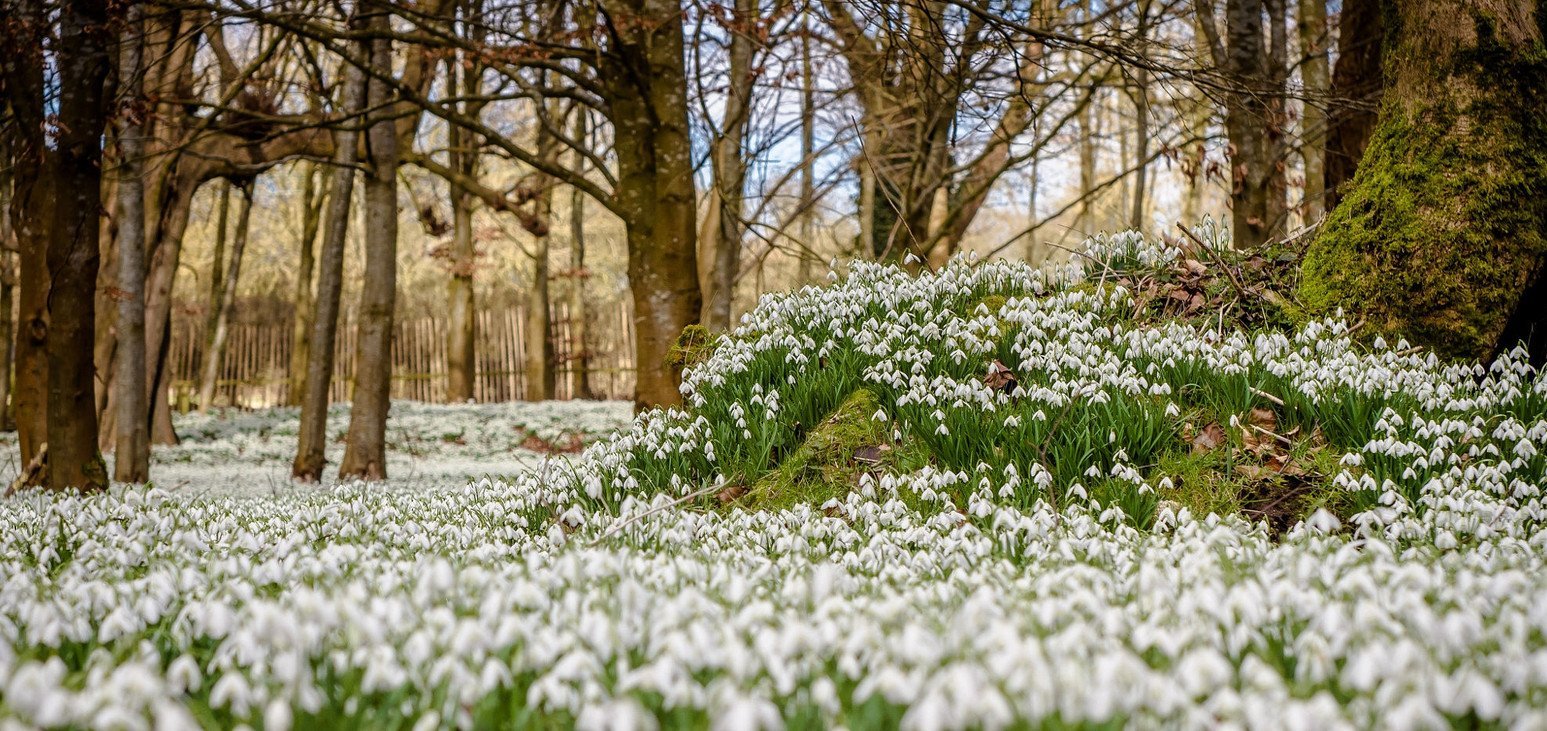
(652, 511)
(34, 474)
(1286, 440)
(1214, 257)
(1266, 395)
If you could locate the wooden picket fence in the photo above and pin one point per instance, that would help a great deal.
(254, 371)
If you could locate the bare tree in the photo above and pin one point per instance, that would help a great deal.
(1252, 56)
(464, 74)
(1313, 121)
(579, 318)
(224, 299)
(131, 462)
(729, 166)
(313, 198)
(31, 198)
(311, 447)
(81, 58)
(365, 448)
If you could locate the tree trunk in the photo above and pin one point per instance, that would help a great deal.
(647, 95)
(538, 348)
(1141, 121)
(220, 322)
(312, 201)
(7, 329)
(1313, 120)
(74, 461)
(1356, 92)
(730, 167)
(1248, 115)
(310, 455)
(462, 329)
(131, 461)
(1085, 223)
(579, 318)
(365, 452)
(807, 161)
(7, 282)
(172, 223)
(217, 270)
(31, 209)
(1442, 235)
(538, 332)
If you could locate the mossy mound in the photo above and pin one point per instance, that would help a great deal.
(995, 385)
(836, 453)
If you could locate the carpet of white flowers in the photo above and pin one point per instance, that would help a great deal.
(237, 453)
(1035, 573)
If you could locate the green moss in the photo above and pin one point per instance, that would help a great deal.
(1446, 219)
(1201, 482)
(826, 465)
(694, 345)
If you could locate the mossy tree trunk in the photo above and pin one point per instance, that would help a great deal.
(1442, 235)
(646, 95)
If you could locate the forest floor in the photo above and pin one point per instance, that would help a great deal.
(241, 453)
(1137, 490)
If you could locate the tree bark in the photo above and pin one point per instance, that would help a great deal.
(312, 201)
(730, 167)
(1313, 119)
(1442, 235)
(217, 267)
(807, 161)
(1141, 121)
(365, 452)
(166, 251)
(538, 332)
(7, 282)
(1355, 96)
(579, 318)
(1248, 116)
(220, 321)
(131, 460)
(647, 95)
(31, 209)
(310, 455)
(462, 328)
(74, 461)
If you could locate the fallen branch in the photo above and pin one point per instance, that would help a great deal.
(35, 473)
(1266, 395)
(652, 511)
(1286, 440)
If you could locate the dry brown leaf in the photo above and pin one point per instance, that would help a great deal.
(1000, 378)
(1210, 438)
(871, 455)
(1264, 418)
(731, 494)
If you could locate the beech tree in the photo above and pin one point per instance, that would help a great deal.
(1442, 234)
(311, 443)
(57, 217)
(1354, 95)
(1252, 56)
(365, 448)
(131, 461)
